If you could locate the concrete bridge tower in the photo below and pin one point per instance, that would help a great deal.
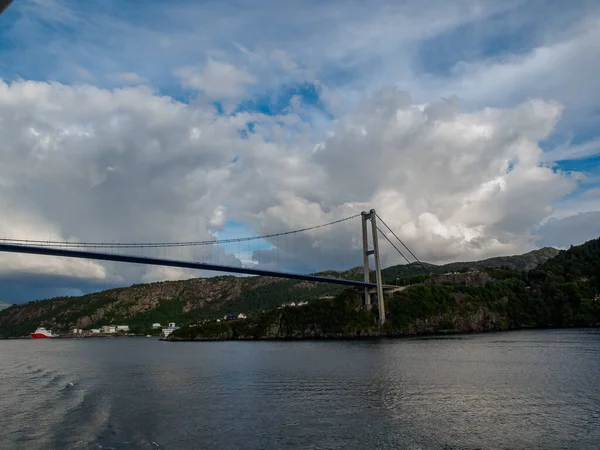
(372, 216)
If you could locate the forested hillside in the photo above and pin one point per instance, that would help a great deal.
(191, 301)
(526, 261)
(563, 292)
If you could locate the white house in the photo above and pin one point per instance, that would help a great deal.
(241, 316)
(171, 324)
(156, 326)
(124, 328)
(95, 330)
(108, 329)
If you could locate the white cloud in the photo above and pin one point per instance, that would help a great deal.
(159, 273)
(128, 78)
(560, 232)
(20, 223)
(456, 178)
(571, 206)
(216, 79)
(278, 43)
(128, 165)
(443, 178)
(217, 221)
(571, 152)
(84, 74)
(592, 193)
(555, 72)
(83, 162)
(559, 68)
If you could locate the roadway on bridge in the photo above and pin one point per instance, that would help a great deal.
(36, 250)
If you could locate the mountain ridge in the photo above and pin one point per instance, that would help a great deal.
(564, 291)
(189, 301)
(525, 261)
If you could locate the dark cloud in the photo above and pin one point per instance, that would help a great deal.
(27, 287)
(568, 231)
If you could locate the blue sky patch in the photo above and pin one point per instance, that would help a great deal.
(491, 37)
(235, 230)
(278, 102)
(589, 165)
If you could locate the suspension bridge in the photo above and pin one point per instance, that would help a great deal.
(329, 246)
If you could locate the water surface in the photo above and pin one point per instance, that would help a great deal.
(525, 389)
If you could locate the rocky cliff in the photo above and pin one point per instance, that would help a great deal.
(170, 301)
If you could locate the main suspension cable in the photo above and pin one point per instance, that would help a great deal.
(49, 243)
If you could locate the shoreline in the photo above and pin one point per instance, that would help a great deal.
(370, 337)
(365, 337)
(5, 338)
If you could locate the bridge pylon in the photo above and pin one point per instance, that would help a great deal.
(372, 216)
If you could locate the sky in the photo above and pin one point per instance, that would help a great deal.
(470, 126)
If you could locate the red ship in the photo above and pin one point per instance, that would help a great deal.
(42, 333)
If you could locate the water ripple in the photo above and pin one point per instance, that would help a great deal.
(534, 389)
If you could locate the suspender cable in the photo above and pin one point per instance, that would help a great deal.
(403, 244)
(397, 249)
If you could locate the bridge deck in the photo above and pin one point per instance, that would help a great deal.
(36, 250)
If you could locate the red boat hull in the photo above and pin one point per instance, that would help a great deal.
(39, 336)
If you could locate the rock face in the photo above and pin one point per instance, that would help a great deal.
(482, 319)
(125, 304)
(469, 278)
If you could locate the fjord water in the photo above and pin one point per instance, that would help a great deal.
(524, 389)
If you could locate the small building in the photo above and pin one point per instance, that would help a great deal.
(124, 328)
(171, 324)
(241, 316)
(95, 331)
(156, 326)
(109, 329)
(289, 304)
(76, 331)
(302, 303)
